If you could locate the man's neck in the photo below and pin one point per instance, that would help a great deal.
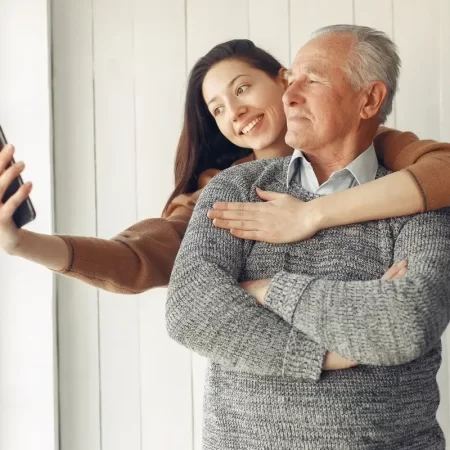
(336, 156)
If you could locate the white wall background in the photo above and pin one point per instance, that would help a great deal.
(28, 413)
(119, 71)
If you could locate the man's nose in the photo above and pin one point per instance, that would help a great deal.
(293, 94)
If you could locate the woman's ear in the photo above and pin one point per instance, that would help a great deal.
(282, 77)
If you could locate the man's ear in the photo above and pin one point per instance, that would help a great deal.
(282, 77)
(374, 98)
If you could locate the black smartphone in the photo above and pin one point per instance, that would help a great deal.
(25, 213)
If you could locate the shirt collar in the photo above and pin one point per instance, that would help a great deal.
(364, 168)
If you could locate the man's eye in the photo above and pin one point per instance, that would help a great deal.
(241, 89)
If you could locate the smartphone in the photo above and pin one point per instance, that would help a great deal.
(25, 213)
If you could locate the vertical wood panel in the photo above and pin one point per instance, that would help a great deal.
(208, 24)
(269, 27)
(307, 16)
(416, 32)
(160, 67)
(377, 15)
(28, 400)
(75, 214)
(116, 210)
(444, 379)
(445, 69)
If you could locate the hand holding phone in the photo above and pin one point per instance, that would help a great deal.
(24, 212)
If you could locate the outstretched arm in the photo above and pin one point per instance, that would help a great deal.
(137, 259)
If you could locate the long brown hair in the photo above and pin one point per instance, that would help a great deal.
(202, 146)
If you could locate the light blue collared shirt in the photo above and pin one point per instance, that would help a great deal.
(361, 170)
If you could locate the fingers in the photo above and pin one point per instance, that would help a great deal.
(268, 195)
(251, 235)
(396, 271)
(234, 206)
(400, 274)
(9, 208)
(8, 176)
(246, 225)
(232, 215)
(6, 156)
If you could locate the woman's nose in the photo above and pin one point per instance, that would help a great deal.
(237, 111)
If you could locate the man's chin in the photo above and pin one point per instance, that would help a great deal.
(294, 139)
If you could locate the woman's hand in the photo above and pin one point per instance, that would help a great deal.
(9, 234)
(281, 219)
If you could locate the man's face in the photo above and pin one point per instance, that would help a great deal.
(320, 104)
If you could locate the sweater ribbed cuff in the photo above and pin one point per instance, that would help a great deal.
(304, 357)
(285, 292)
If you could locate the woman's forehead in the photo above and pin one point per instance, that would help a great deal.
(223, 75)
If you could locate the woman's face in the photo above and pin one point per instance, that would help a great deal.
(246, 104)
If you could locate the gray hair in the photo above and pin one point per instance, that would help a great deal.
(374, 58)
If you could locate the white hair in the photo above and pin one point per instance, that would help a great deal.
(374, 58)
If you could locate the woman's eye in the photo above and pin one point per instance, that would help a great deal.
(217, 110)
(241, 89)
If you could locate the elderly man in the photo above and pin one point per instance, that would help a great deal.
(266, 387)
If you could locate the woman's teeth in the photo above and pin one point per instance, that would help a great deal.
(251, 125)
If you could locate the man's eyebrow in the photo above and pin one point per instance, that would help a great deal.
(311, 70)
(228, 86)
(288, 74)
(308, 70)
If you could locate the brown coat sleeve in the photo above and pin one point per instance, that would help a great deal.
(138, 259)
(426, 160)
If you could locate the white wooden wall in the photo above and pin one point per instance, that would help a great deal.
(119, 77)
(28, 377)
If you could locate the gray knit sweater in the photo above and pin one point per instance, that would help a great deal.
(265, 388)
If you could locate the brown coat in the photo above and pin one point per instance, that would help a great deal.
(142, 257)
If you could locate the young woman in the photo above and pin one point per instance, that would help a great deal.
(142, 256)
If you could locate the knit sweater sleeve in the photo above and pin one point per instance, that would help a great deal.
(208, 312)
(377, 322)
(427, 161)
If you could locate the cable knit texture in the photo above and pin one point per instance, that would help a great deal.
(265, 388)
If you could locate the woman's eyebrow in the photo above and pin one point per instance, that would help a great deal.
(228, 86)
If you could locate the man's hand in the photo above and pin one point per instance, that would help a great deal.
(281, 219)
(333, 361)
(257, 288)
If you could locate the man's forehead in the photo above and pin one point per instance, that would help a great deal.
(321, 52)
(313, 64)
